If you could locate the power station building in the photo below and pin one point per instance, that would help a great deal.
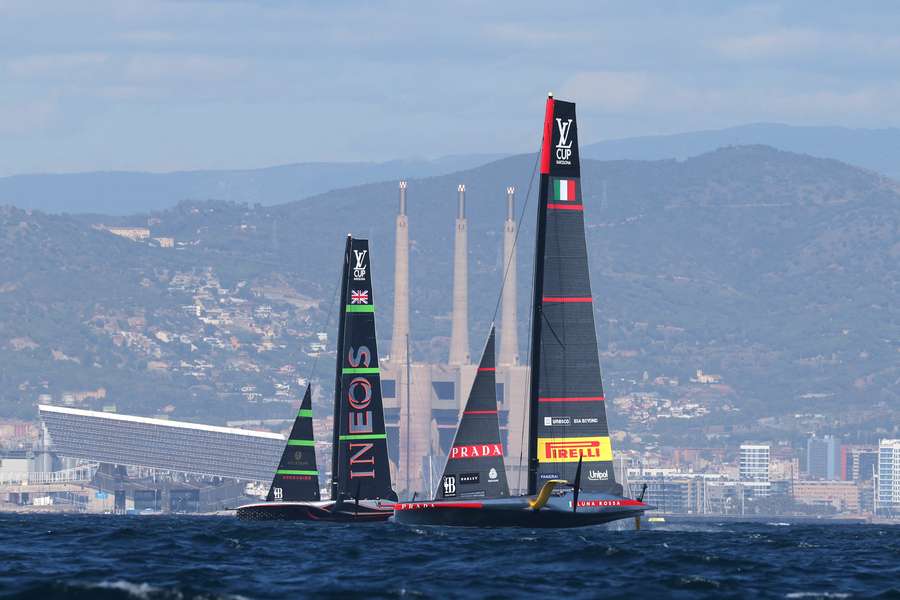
(423, 401)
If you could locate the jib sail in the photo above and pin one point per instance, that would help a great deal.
(361, 467)
(475, 466)
(297, 478)
(567, 409)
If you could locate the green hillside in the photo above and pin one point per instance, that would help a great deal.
(776, 271)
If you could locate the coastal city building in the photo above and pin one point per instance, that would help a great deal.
(822, 458)
(843, 496)
(887, 500)
(858, 463)
(753, 468)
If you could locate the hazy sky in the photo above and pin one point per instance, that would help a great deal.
(97, 85)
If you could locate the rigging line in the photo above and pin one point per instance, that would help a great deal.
(547, 321)
(331, 313)
(516, 237)
(530, 312)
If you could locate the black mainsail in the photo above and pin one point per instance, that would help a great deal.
(360, 469)
(570, 472)
(297, 478)
(475, 468)
(567, 409)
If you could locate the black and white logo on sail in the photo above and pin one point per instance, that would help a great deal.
(564, 143)
(563, 148)
(597, 475)
(449, 486)
(492, 475)
(469, 478)
(361, 266)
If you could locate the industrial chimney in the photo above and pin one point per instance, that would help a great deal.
(401, 283)
(459, 336)
(509, 338)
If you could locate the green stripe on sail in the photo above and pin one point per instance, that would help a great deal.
(301, 443)
(359, 370)
(363, 308)
(364, 436)
(305, 412)
(293, 472)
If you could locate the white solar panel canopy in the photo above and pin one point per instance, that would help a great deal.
(162, 444)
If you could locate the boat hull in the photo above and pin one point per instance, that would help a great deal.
(328, 511)
(593, 509)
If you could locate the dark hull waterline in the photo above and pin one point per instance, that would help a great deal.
(593, 509)
(327, 511)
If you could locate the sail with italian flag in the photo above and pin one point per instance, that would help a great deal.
(564, 190)
(567, 409)
(571, 481)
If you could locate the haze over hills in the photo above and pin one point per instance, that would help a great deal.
(874, 149)
(122, 193)
(774, 270)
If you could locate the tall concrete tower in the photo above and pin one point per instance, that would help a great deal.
(509, 338)
(401, 283)
(459, 336)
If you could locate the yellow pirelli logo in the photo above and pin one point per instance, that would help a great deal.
(589, 449)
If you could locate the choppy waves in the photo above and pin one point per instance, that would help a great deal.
(207, 557)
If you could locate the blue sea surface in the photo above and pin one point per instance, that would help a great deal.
(88, 556)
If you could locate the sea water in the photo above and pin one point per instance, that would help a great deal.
(89, 556)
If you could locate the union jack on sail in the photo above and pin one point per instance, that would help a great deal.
(359, 297)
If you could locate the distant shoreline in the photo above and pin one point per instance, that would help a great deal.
(788, 519)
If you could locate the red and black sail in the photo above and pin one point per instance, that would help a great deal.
(361, 469)
(567, 410)
(475, 468)
(297, 478)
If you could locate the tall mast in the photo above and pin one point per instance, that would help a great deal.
(567, 415)
(536, 302)
(336, 426)
(364, 468)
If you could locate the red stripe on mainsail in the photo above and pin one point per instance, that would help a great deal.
(566, 207)
(480, 412)
(574, 399)
(570, 193)
(487, 368)
(567, 299)
(548, 137)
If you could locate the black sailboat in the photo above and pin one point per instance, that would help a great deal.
(474, 467)
(568, 432)
(361, 480)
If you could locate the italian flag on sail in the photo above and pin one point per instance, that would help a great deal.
(564, 190)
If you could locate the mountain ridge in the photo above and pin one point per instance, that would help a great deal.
(774, 270)
(105, 192)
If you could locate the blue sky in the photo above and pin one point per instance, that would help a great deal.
(122, 84)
